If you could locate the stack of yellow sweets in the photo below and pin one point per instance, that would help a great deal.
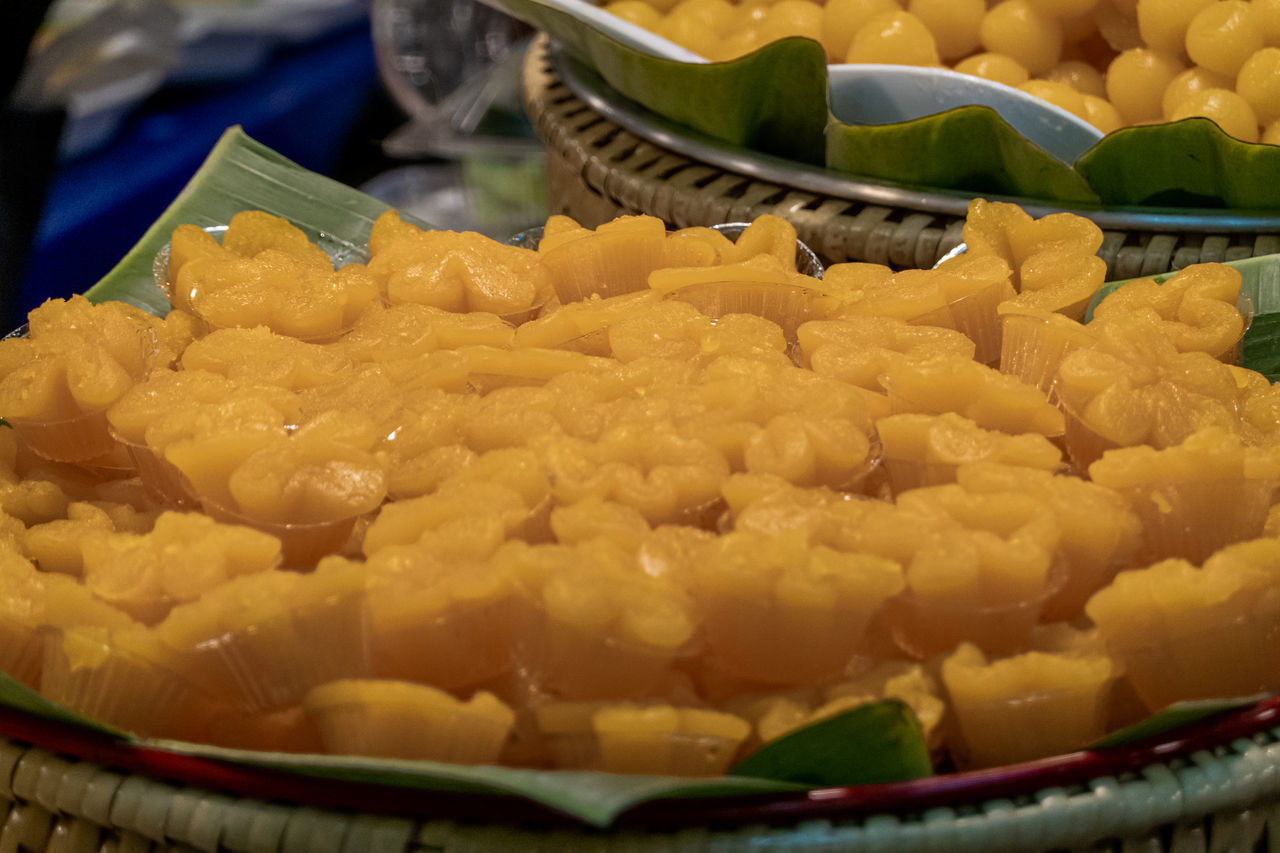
(637, 500)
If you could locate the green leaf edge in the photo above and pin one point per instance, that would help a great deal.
(924, 153)
(873, 743)
(1174, 717)
(1190, 160)
(773, 100)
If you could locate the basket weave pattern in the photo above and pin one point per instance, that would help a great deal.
(597, 170)
(1225, 801)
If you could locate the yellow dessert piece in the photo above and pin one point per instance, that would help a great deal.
(252, 231)
(405, 521)
(990, 399)
(810, 451)
(581, 326)
(1027, 706)
(286, 730)
(1053, 259)
(127, 678)
(653, 469)
(55, 545)
(1133, 387)
(767, 234)
(1196, 496)
(206, 415)
(654, 738)
(601, 628)
(440, 612)
(672, 329)
(269, 274)
(77, 359)
(22, 610)
(186, 554)
(912, 296)
(423, 441)
(858, 349)
(973, 286)
(1183, 632)
(259, 356)
(761, 285)
(488, 368)
(397, 719)
(776, 610)
(925, 450)
(1195, 308)
(1100, 532)
(983, 577)
(593, 518)
(260, 641)
(1034, 341)
(614, 259)
(455, 271)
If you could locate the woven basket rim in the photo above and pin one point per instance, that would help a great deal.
(1254, 724)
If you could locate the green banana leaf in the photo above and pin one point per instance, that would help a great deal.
(1260, 282)
(14, 694)
(1174, 717)
(773, 100)
(967, 148)
(873, 743)
(241, 173)
(1189, 163)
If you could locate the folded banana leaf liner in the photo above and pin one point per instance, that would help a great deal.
(776, 101)
(880, 742)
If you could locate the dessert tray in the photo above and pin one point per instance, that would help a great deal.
(1198, 775)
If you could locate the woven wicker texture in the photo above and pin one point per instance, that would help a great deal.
(597, 170)
(1222, 802)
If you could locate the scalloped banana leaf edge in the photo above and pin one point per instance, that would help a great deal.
(1192, 162)
(924, 152)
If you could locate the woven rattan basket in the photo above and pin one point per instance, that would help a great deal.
(597, 169)
(1213, 789)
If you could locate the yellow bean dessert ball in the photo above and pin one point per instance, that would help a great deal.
(999, 67)
(1079, 75)
(1187, 83)
(895, 38)
(841, 20)
(1163, 23)
(638, 12)
(1016, 28)
(1231, 112)
(1267, 14)
(1136, 80)
(1223, 35)
(792, 18)
(954, 24)
(1058, 94)
(1100, 113)
(1271, 133)
(1259, 83)
(1063, 9)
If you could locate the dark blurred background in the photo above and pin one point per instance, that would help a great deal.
(110, 106)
